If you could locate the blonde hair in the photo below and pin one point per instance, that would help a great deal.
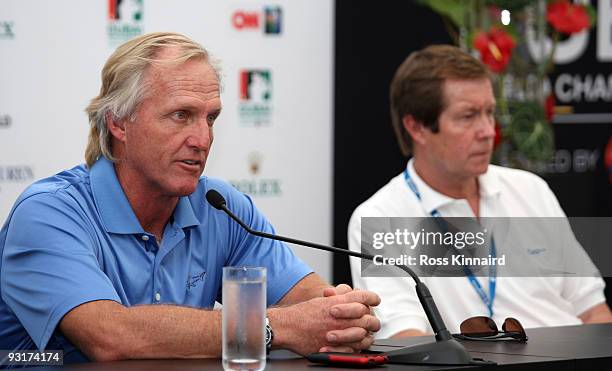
(123, 89)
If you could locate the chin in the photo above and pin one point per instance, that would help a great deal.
(184, 189)
(480, 169)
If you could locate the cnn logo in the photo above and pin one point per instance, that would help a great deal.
(245, 20)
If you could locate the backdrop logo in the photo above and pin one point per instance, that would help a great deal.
(124, 20)
(268, 22)
(255, 105)
(254, 162)
(16, 173)
(256, 185)
(572, 161)
(5, 121)
(274, 16)
(7, 30)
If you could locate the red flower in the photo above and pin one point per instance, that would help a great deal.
(567, 18)
(608, 159)
(495, 48)
(498, 135)
(549, 107)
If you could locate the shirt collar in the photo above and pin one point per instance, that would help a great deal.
(115, 210)
(489, 184)
(431, 199)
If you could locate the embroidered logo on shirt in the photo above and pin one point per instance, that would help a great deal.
(194, 280)
(535, 251)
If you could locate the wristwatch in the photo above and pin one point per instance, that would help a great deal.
(269, 336)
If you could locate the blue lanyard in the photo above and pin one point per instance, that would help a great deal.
(487, 300)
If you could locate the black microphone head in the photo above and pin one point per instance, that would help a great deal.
(215, 199)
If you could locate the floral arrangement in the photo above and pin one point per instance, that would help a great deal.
(497, 31)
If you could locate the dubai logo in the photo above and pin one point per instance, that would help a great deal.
(256, 185)
(608, 159)
(255, 105)
(251, 20)
(124, 20)
(6, 30)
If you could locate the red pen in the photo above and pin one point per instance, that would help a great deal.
(348, 359)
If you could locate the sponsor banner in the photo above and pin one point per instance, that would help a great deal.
(502, 247)
(263, 60)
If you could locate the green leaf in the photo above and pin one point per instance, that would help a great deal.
(592, 15)
(511, 5)
(452, 9)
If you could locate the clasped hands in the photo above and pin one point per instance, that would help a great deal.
(340, 321)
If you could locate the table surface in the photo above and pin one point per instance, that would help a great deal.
(585, 347)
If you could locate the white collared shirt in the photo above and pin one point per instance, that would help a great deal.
(504, 192)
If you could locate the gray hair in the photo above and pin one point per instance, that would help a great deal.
(123, 89)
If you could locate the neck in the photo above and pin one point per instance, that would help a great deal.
(448, 184)
(152, 210)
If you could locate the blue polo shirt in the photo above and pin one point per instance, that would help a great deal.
(74, 238)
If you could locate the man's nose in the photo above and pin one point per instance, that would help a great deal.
(200, 136)
(486, 128)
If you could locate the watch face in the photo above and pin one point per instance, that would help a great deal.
(268, 336)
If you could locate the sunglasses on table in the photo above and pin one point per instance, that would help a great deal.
(483, 328)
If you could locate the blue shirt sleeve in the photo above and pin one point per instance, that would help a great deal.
(284, 269)
(49, 264)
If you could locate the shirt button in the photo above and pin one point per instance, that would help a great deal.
(157, 296)
(145, 237)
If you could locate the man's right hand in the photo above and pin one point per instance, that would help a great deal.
(341, 322)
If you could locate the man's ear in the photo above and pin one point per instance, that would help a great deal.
(115, 126)
(415, 129)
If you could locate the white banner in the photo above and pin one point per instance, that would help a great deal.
(273, 139)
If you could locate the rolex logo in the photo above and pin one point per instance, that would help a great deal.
(255, 162)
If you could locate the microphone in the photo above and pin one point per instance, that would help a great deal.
(445, 350)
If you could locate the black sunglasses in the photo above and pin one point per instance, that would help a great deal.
(483, 328)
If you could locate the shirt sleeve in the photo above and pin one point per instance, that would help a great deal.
(400, 308)
(49, 265)
(587, 289)
(283, 268)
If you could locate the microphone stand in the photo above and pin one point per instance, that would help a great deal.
(444, 351)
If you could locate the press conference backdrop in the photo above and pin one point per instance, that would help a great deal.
(273, 139)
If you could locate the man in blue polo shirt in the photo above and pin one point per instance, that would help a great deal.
(86, 253)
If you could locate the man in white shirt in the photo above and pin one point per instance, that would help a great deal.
(442, 106)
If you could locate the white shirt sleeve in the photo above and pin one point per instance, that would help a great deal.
(582, 292)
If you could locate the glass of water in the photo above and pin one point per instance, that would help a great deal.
(244, 318)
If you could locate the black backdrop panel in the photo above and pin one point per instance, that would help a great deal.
(372, 39)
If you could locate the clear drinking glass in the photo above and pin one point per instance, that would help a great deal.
(244, 318)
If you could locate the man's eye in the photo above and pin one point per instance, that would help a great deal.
(211, 118)
(181, 115)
